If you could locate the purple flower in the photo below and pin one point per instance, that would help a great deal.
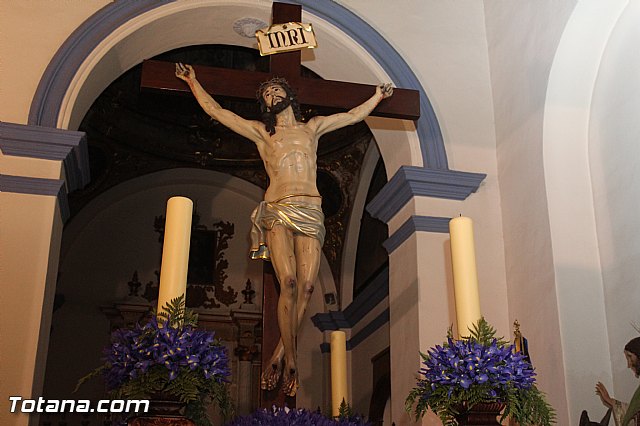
(461, 365)
(285, 417)
(133, 352)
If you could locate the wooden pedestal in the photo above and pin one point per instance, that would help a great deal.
(481, 415)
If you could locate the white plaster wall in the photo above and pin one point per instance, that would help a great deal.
(29, 248)
(445, 44)
(361, 380)
(404, 326)
(421, 309)
(446, 48)
(28, 41)
(614, 155)
(522, 39)
(31, 167)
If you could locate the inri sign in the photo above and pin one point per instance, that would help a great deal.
(285, 38)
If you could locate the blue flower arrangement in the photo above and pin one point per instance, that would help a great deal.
(168, 358)
(476, 370)
(175, 351)
(279, 416)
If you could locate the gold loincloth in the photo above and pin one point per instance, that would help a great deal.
(301, 218)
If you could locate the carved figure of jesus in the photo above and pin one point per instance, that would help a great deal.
(288, 226)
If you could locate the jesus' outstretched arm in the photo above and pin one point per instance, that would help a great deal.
(333, 122)
(252, 130)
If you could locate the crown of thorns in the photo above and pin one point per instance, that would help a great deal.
(276, 81)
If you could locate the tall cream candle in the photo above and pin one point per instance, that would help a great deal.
(465, 276)
(338, 370)
(175, 251)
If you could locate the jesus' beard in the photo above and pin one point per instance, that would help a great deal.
(280, 106)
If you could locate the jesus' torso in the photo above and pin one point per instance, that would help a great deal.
(290, 159)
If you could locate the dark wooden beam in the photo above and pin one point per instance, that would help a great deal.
(160, 76)
(287, 64)
(334, 95)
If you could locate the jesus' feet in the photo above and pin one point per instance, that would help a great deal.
(271, 375)
(290, 383)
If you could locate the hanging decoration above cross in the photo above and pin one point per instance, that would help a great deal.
(332, 95)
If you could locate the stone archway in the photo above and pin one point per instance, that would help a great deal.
(121, 36)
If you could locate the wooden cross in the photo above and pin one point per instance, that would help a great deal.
(331, 95)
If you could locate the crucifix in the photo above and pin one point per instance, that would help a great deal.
(333, 95)
(288, 226)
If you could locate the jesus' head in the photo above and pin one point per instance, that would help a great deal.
(274, 96)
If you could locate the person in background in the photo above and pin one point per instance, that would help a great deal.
(625, 414)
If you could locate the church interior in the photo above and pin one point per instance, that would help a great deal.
(528, 126)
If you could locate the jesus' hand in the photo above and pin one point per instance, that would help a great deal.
(185, 72)
(385, 89)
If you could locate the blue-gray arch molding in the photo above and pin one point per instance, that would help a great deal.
(434, 179)
(65, 146)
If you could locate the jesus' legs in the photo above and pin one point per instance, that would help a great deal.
(281, 246)
(307, 252)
